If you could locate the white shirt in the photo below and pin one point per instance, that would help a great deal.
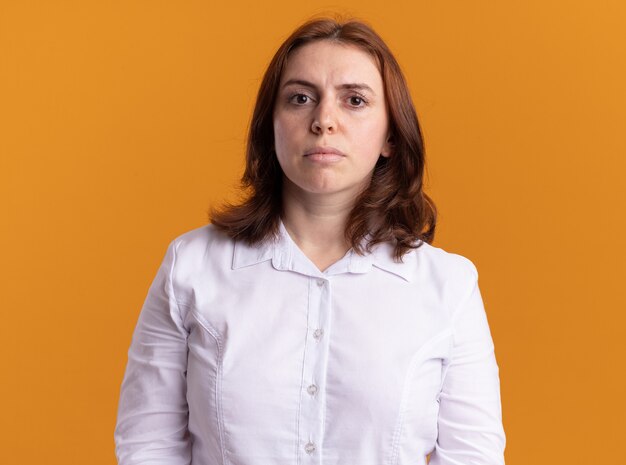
(253, 356)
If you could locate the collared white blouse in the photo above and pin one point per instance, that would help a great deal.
(253, 356)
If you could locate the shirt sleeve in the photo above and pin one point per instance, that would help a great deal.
(470, 415)
(152, 417)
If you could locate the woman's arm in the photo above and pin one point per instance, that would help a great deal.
(470, 415)
(152, 414)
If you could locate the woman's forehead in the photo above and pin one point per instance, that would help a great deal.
(327, 61)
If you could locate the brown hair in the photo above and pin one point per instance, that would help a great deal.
(393, 208)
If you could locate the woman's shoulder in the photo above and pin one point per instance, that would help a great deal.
(191, 248)
(203, 236)
(441, 265)
(443, 258)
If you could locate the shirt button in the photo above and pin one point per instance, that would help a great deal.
(320, 282)
(309, 448)
(318, 333)
(312, 389)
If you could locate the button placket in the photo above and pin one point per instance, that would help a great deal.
(314, 372)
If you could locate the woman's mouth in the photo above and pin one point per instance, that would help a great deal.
(324, 154)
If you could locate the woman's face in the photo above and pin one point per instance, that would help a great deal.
(330, 119)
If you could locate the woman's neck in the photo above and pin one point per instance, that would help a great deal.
(317, 224)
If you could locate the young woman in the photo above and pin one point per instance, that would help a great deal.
(315, 322)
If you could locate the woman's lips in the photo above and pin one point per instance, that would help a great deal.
(324, 154)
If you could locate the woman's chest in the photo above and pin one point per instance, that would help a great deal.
(319, 356)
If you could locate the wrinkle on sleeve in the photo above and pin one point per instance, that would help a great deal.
(470, 413)
(152, 417)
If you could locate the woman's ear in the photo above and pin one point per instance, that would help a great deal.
(388, 147)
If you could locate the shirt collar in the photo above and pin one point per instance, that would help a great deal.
(285, 255)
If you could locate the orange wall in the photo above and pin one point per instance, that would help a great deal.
(122, 121)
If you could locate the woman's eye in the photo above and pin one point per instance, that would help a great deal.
(300, 99)
(357, 101)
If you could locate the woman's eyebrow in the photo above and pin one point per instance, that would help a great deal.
(299, 82)
(350, 86)
(357, 86)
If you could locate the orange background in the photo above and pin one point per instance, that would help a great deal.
(122, 121)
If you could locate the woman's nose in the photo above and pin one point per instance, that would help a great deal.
(324, 119)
